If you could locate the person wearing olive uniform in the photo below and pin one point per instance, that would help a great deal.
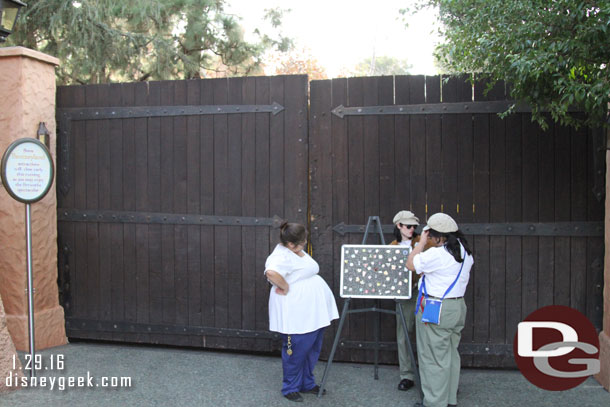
(405, 223)
(445, 270)
(301, 306)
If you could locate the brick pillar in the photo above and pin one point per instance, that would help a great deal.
(8, 356)
(27, 80)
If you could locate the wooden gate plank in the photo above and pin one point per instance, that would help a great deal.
(262, 209)
(206, 157)
(370, 196)
(168, 293)
(129, 204)
(340, 204)
(221, 196)
(595, 246)
(530, 214)
(141, 191)
(578, 258)
(402, 145)
(356, 191)
(479, 280)
(546, 198)
(513, 214)
(80, 230)
(497, 249)
(250, 273)
(562, 188)
(104, 182)
(91, 193)
(320, 153)
(193, 195)
(180, 179)
(465, 193)
(387, 154)
(434, 169)
(234, 171)
(154, 203)
(295, 150)
(449, 143)
(417, 130)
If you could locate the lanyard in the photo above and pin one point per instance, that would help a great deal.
(423, 286)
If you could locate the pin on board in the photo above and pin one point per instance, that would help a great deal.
(375, 271)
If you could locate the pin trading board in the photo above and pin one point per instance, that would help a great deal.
(375, 271)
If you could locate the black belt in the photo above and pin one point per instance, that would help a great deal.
(452, 298)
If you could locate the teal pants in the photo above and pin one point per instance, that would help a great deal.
(404, 360)
(437, 352)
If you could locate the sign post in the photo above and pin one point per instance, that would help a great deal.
(27, 175)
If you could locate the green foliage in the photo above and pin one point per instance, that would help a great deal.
(554, 53)
(99, 41)
(382, 65)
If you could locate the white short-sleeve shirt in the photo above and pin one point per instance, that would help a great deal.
(440, 269)
(309, 304)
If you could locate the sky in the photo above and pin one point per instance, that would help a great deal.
(341, 33)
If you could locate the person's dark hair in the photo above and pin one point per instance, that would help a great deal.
(294, 233)
(452, 243)
(398, 235)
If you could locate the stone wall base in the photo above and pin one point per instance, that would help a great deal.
(48, 325)
(604, 359)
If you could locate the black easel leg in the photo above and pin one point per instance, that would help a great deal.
(411, 354)
(377, 329)
(335, 343)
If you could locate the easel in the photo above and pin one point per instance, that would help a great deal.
(346, 311)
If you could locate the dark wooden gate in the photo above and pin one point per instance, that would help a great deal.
(525, 197)
(167, 195)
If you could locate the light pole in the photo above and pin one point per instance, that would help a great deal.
(9, 11)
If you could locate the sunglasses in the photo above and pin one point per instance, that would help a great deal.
(408, 226)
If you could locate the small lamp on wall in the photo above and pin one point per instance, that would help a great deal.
(9, 11)
(43, 134)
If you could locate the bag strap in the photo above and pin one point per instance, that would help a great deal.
(423, 284)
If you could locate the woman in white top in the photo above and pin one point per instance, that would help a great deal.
(301, 306)
(446, 271)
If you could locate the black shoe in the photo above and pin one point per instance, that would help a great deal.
(451, 405)
(315, 390)
(405, 384)
(294, 396)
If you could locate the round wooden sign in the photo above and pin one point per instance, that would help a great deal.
(27, 170)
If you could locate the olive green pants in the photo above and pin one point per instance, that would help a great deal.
(437, 352)
(404, 360)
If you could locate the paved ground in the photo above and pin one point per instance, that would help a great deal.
(162, 376)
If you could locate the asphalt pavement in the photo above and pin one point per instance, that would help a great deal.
(166, 376)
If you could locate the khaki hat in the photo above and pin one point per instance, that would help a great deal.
(406, 218)
(441, 222)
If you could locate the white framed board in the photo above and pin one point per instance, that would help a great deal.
(375, 271)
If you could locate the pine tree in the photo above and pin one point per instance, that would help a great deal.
(101, 41)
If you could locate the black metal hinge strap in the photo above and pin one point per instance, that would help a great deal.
(102, 113)
(465, 348)
(574, 229)
(97, 216)
(434, 108)
(74, 325)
